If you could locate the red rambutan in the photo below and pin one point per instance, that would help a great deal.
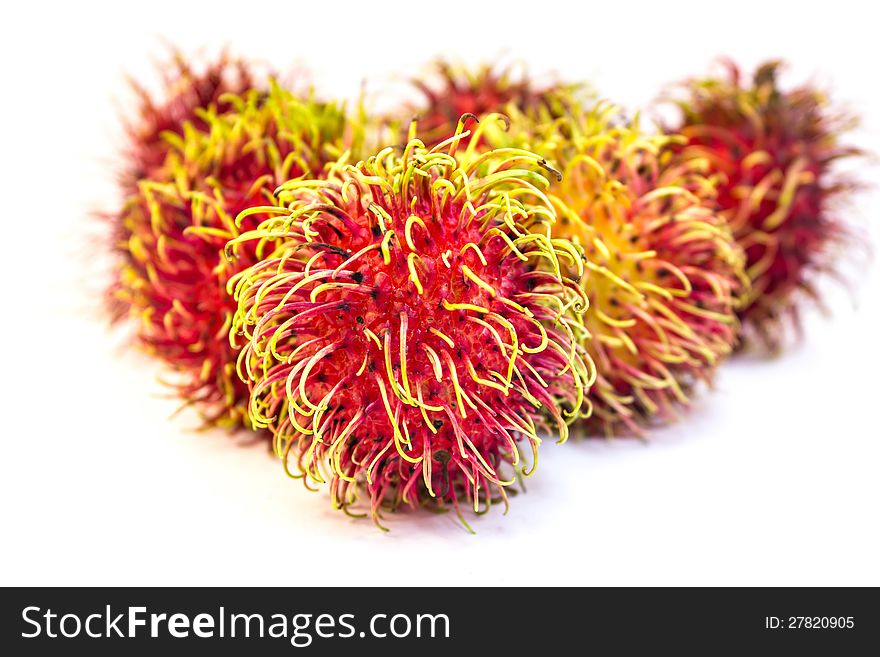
(457, 91)
(188, 90)
(400, 337)
(177, 222)
(662, 271)
(157, 127)
(772, 151)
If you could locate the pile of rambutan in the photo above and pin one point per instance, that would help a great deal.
(408, 318)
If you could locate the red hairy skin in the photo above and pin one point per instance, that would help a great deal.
(400, 338)
(772, 152)
(177, 223)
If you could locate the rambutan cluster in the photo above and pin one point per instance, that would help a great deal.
(663, 272)
(400, 337)
(176, 223)
(772, 151)
(408, 321)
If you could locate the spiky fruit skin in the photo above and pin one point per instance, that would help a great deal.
(400, 339)
(662, 271)
(772, 151)
(178, 221)
(457, 92)
(188, 89)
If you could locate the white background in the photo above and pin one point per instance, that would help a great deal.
(773, 479)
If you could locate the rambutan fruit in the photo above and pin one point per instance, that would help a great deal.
(451, 91)
(772, 151)
(188, 89)
(401, 338)
(177, 222)
(662, 271)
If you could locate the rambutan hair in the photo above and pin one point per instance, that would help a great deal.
(662, 271)
(400, 337)
(772, 152)
(177, 222)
